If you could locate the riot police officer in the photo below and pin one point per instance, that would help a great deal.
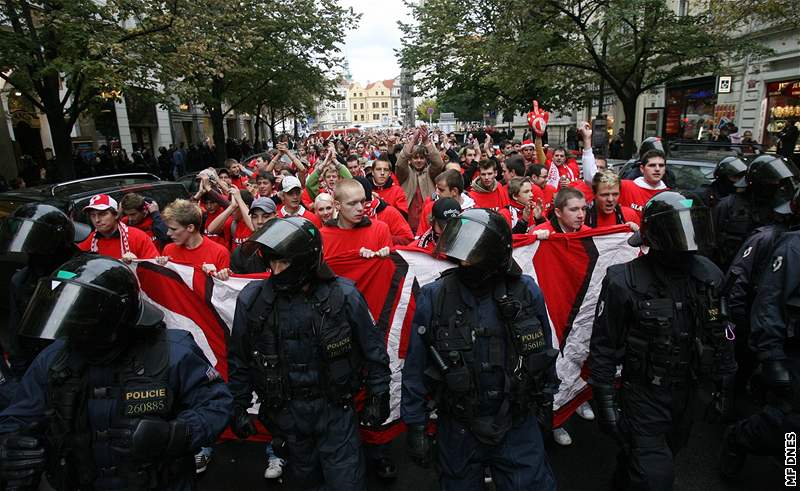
(661, 318)
(47, 237)
(744, 275)
(770, 184)
(481, 347)
(302, 339)
(729, 176)
(116, 401)
(775, 341)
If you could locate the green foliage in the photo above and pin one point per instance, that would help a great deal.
(94, 45)
(506, 53)
(251, 52)
(422, 110)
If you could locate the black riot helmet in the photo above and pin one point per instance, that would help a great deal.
(92, 301)
(39, 229)
(650, 143)
(294, 239)
(673, 222)
(730, 167)
(772, 181)
(480, 238)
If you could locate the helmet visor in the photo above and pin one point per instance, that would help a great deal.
(279, 239)
(467, 241)
(782, 199)
(63, 308)
(22, 235)
(681, 230)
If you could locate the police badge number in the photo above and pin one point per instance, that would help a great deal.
(139, 401)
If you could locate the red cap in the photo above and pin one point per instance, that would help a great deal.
(101, 202)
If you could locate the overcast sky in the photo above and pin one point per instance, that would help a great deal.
(369, 46)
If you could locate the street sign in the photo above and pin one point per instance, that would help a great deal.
(430, 111)
(724, 85)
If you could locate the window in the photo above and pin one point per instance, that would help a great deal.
(355, 106)
(362, 105)
(374, 105)
(375, 117)
(384, 105)
(683, 7)
(362, 117)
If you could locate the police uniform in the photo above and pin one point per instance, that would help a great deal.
(734, 220)
(775, 340)
(125, 414)
(305, 352)
(770, 186)
(482, 349)
(660, 317)
(47, 236)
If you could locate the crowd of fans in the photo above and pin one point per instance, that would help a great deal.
(382, 187)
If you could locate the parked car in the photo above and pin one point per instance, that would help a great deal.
(72, 196)
(692, 163)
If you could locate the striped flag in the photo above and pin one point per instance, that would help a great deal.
(569, 270)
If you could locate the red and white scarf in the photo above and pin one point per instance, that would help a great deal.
(123, 239)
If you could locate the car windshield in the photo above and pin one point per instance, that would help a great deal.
(710, 152)
(162, 194)
(689, 177)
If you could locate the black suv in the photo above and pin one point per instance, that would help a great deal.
(72, 196)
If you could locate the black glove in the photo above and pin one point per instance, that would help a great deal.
(774, 374)
(376, 409)
(242, 423)
(149, 438)
(721, 407)
(420, 445)
(606, 411)
(544, 415)
(22, 460)
(776, 382)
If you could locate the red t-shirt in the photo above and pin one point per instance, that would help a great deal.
(398, 226)
(336, 241)
(224, 237)
(208, 252)
(569, 169)
(145, 226)
(637, 193)
(240, 182)
(549, 226)
(305, 198)
(302, 212)
(584, 188)
(241, 233)
(610, 220)
(546, 195)
(493, 200)
(393, 195)
(138, 243)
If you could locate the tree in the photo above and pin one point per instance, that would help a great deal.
(422, 110)
(89, 49)
(232, 56)
(633, 46)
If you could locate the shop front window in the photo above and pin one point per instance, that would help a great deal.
(783, 109)
(690, 112)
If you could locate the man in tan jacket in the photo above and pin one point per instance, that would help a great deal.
(417, 166)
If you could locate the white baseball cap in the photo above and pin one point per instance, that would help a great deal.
(101, 202)
(289, 183)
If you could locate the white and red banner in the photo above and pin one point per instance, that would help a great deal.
(568, 269)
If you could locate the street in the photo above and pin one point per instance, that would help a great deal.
(585, 465)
